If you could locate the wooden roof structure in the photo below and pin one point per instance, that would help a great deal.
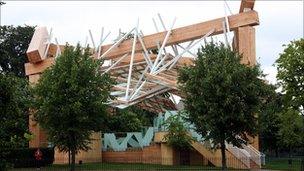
(146, 66)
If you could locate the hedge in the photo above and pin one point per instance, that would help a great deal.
(25, 157)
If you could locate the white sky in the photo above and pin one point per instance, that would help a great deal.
(280, 21)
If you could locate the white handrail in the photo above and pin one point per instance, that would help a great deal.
(240, 154)
(254, 153)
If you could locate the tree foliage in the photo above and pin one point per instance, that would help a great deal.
(291, 130)
(178, 135)
(14, 103)
(70, 100)
(14, 43)
(222, 96)
(290, 66)
(130, 119)
(269, 121)
(124, 120)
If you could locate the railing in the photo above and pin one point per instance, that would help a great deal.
(254, 153)
(240, 154)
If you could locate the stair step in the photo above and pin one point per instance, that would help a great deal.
(253, 165)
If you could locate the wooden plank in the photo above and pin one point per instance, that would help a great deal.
(138, 57)
(148, 94)
(37, 46)
(35, 68)
(185, 61)
(132, 81)
(187, 33)
(161, 80)
(167, 76)
(246, 5)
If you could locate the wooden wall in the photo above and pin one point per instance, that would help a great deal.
(150, 154)
(92, 155)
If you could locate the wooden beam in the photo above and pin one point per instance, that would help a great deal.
(178, 35)
(132, 81)
(187, 33)
(39, 67)
(167, 76)
(246, 5)
(37, 46)
(162, 80)
(185, 61)
(138, 57)
(245, 44)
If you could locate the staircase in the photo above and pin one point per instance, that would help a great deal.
(212, 157)
(246, 158)
(215, 157)
(255, 156)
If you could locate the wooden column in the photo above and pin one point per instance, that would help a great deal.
(166, 154)
(244, 43)
(40, 137)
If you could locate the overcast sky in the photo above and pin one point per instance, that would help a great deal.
(280, 21)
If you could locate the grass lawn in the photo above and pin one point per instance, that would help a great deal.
(117, 166)
(282, 164)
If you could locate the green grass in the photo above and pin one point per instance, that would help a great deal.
(271, 164)
(117, 166)
(282, 164)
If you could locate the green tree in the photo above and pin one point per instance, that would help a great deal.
(290, 66)
(291, 129)
(222, 96)
(124, 121)
(14, 103)
(269, 121)
(14, 43)
(130, 119)
(70, 100)
(178, 135)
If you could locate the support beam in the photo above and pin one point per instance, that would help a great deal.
(179, 35)
(246, 5)
(38, 67)
(162, 80)
(138, 57)
(245, 44)
(38, 44)
(187, 33)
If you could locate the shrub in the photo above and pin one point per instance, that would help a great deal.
(25, 157)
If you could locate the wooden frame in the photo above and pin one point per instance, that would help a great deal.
(242, 24)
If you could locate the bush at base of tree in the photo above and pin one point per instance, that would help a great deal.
(25, 157)
(178, 135)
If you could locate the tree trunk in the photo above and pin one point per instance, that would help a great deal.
(223, 151)
(276, 152)
(69, 157)
(73, 159)
(290, 156)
